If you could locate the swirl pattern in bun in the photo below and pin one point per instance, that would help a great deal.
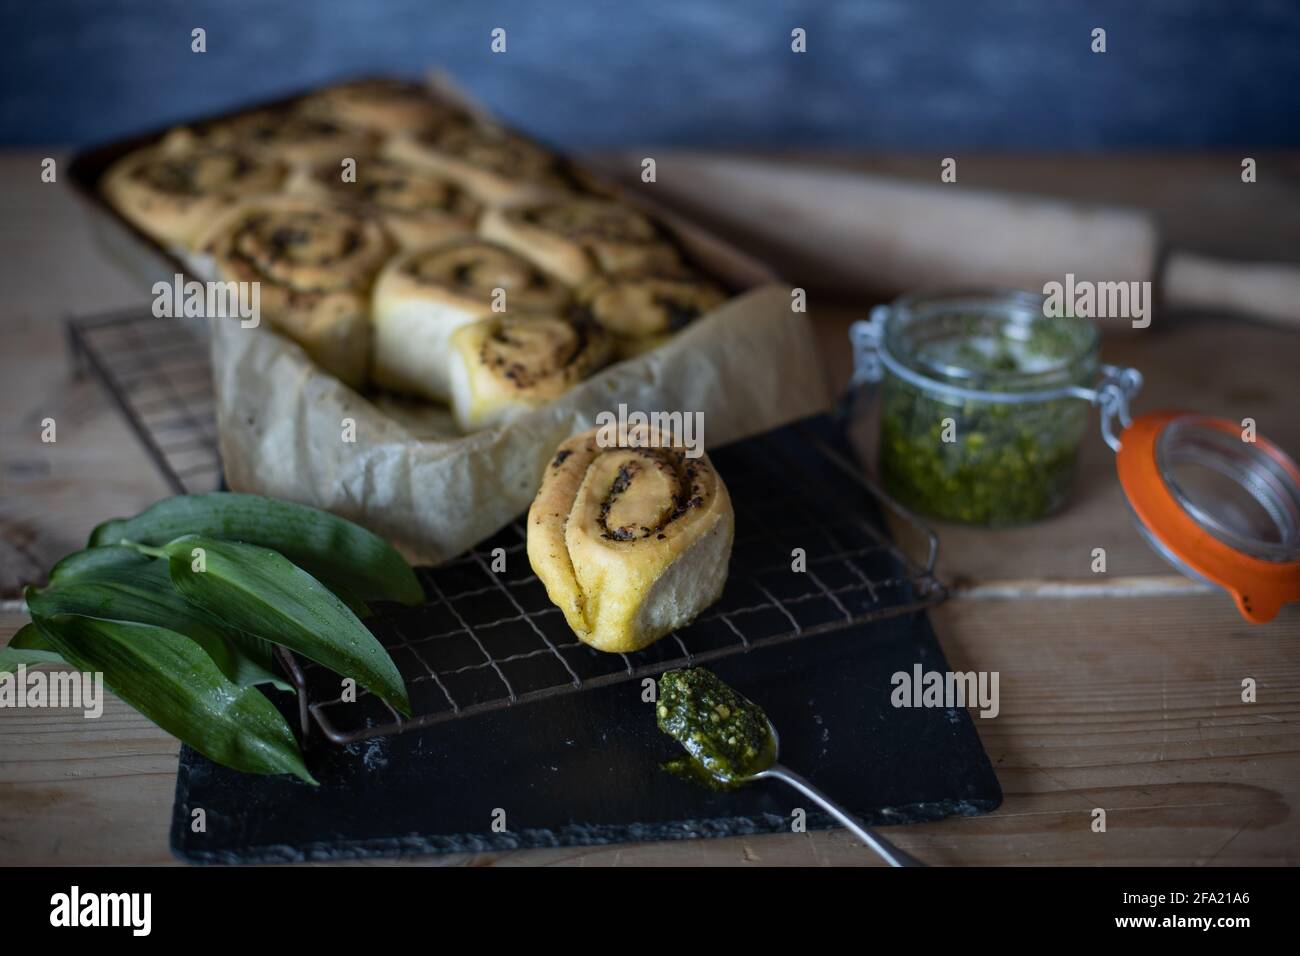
(282, 133)
(576, 238)
(494, 164)
(314, 264)
(173, 197)
(503, 367)
(631, 541)
(642, 310)
(424, 296)
(417, 207)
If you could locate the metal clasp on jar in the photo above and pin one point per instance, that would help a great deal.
(1112, 395)
(865, 336)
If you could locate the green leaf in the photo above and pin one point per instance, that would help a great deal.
(96, 562)
(349, 597)
(172, 681)
(30, 638)
(334, 551)
(260, 591)
(120, 584)
(28, 647)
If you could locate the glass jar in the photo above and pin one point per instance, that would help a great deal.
(983, 404)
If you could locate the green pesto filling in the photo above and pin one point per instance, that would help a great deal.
(727, 736)
(1007, 464)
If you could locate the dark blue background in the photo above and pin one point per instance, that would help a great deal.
(884, 73)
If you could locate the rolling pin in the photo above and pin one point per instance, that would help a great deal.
(854, 233)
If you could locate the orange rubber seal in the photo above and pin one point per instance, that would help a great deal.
(1259, 587)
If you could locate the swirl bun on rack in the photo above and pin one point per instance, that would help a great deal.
(494, 164)
(505, 366)
(381, 105)
(423, 296)
(174, 197)
(575, 238)
(417, 207)
(632, 541)
(281, 132)
(642, 310)
(314, 264)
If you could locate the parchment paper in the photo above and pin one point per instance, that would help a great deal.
(749, 366)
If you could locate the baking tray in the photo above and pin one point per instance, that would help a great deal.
(131, 249)
(141, 257)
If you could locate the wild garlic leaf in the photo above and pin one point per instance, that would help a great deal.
(172, 681)
(120, 584)
(340, 554)
(259, 591)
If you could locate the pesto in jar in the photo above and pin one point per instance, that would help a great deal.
(727, 737)
(1003, 463)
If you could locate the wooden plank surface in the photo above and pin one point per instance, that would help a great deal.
(1135, 709)
(1128, 703)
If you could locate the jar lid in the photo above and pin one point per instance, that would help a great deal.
(1216, 505)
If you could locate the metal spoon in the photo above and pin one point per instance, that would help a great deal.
(884, 849)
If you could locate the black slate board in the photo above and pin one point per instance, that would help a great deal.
(585, 769)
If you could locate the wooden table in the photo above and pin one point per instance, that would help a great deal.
(1120, 691)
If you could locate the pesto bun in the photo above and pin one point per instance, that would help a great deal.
(631, 541)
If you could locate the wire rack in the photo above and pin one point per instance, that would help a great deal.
(810, 558)
(158, 373)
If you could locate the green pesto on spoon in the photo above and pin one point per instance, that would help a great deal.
(730, 742)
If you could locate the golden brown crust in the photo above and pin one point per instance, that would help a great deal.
(425, 295)
(417, 207)
(174, 197)
(630, 538)
(314, 264)
(283, 133)
(494, 164)
(577, 238)
(425, 171)
(504, 366)
(643, 310)
(467, 273)
(383, 106)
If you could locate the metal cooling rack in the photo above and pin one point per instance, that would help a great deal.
(158, 373)
(490, 639)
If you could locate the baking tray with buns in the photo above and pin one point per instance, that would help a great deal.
(607, 301)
